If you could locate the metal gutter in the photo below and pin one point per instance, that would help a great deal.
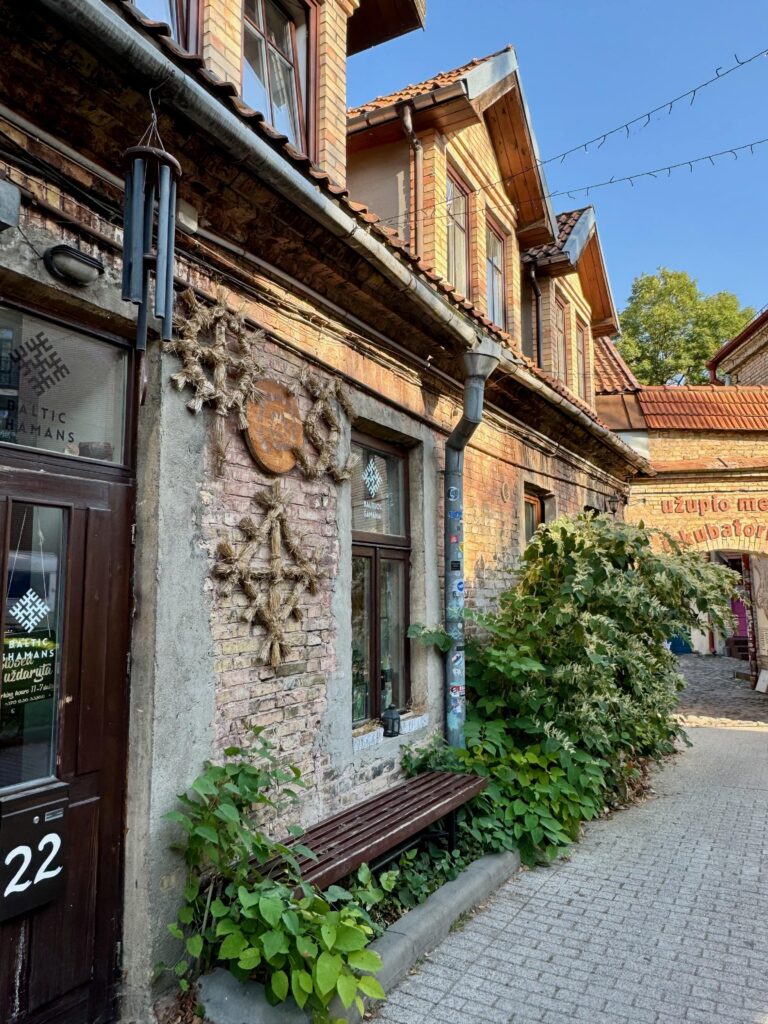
(381, 115)
(95, 21)
(605, 435)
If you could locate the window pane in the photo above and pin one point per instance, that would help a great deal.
(255, 88)
(278, 29)
(59, 390)
(160, 10)
(392, 632)
(361, 638)
(32, 631)
(495, 277)
(285, 115)
(457, 237)
(378, 499)
(252, 10)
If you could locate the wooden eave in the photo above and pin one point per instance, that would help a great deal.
(448, 110)
(597, 290)
(377, 21)
(512, 140)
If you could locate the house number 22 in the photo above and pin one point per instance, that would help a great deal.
(52, 842)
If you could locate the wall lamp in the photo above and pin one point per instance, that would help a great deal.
(615, 501)
(390, 719)
(72, 265)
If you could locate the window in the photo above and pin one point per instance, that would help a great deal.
(271, 80)
(495, 276)
(181, 15)
(581, 358)
(534, 514)
(457, 203)
(380, 584)
(561, 344)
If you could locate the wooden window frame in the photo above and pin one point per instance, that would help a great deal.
(537, 502)
(453, 177)
(378, 546)
(561, 354)
(302, 103)
(582, 349)
(493, 228)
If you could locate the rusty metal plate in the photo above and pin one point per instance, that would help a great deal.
(274, 429)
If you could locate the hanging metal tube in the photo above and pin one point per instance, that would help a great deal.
(479, 364)
(161, 270)
(168, 311)
(143, 318)
(137, 236)
(127, 205)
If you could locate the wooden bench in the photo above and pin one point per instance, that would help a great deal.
(385, 825)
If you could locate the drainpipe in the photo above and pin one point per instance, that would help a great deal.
(479, 364)
(406, 117)
(537, 293)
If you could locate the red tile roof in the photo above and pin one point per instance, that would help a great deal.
(705, 407)
(717, 465)
(612, 375)
(438, 81)
(566, 222)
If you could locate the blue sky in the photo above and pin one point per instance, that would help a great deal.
(587, 66)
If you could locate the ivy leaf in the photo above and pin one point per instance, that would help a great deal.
(228, 812)
(328, 932)
(306, 947)
(207, 832)
(371, 987)
(346, 986)
(291, 921)
(336, 894)
(204, 786)
(273, 943)
(219, 909)
(175, 931)
(300, 994)
(365, 960)
(195, 945)
(279, 985)
(247, 899)
(349, 938)
(327, 971)
(270, 909)
(233, 946)
(227, 926)
(249, 959)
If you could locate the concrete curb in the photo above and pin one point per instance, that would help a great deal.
(227, 1001)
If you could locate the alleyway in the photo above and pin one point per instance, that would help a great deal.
(660, 916)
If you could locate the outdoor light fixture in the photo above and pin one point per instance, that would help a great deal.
(390, 719)
(150, 195)
(72, 265)
(613, 503)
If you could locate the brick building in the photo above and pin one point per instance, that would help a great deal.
(744, 359)
(708, 446)
(181, 563)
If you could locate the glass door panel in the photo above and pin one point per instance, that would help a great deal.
(392, 629)
(32, 624)
(362, 637)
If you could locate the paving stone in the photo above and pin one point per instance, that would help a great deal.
(660, 914)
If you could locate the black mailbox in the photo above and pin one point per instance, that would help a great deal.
(33, 848)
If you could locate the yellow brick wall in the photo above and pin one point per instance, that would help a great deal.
(222, 24)
(748, 364)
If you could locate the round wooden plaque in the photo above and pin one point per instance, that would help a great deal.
(274, 428)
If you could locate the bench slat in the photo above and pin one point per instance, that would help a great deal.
(346, 841)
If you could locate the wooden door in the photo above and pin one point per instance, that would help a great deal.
(64, 609)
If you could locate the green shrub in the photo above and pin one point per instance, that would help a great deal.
(277, 930)
(571, 684)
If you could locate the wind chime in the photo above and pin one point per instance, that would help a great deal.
(149, 227)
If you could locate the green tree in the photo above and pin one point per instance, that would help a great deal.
(671, 328)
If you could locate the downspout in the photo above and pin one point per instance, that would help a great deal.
(479, 364)
(537, 293)
(406, 117)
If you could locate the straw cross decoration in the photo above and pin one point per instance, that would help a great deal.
(273, 591)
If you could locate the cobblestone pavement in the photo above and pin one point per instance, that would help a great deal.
(660, 916)
(713, 696)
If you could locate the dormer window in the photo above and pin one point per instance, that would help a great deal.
(271, 73)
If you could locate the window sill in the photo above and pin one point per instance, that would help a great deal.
(365, 737)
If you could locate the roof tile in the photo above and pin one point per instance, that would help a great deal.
(705, 407)
(566, 222)
(612, 375)
(437, 81)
